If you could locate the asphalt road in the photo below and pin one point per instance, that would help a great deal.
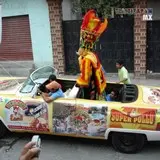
(64, 148)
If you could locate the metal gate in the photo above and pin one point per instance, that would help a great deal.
(153, 46)
(16, 39)
(116, 43)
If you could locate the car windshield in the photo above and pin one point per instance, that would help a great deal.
(27, 86)
(37, 77)
(42, 73)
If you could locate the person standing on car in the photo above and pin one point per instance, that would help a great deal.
(92, 80)
(122, 73)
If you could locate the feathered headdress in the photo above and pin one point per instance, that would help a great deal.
(91, 29)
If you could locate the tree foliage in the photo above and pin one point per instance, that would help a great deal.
(103, 7)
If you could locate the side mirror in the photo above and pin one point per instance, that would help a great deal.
(38, 93)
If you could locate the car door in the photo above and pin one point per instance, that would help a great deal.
(36, 115)
(91, 118)
(63, 109)
(11, 105)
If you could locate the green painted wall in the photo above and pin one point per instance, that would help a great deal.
(39, 26)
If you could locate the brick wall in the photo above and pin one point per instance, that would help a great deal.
(55, 15)
(140, 41)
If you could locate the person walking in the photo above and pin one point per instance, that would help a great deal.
(122, 73)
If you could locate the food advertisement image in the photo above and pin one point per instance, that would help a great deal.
(27, 115)
(80, 120)
(135, 118)
(151, 95)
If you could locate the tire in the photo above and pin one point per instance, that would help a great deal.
(3, 130)
(128, 142)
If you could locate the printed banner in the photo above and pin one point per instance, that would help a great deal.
(30, 116)
(135, 118)
(81, 120)
(151, 95)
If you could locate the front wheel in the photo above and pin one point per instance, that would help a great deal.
(3, 129)
(128, 142)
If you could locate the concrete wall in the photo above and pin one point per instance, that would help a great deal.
(67, 11)
(39, 26)
(155, 4)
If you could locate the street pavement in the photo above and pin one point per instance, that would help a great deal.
(65, 148)
(114, 78)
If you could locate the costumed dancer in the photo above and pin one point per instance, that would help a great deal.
(92, 79)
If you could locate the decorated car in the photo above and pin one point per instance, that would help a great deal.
(129, 121)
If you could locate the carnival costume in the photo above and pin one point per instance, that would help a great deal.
(92, 78)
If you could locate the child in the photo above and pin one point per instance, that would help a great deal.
(122, 73)
(54, 89)
(112, 96)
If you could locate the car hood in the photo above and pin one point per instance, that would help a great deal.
(9, 85)
(12, 78)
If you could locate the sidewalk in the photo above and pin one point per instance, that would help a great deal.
(110, 78)
(114, 78)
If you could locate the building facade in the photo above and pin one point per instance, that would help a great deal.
(146, 39)
(33, 31)
(26, 34)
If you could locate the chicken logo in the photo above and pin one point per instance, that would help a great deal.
(16, 108)
(17, 114)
